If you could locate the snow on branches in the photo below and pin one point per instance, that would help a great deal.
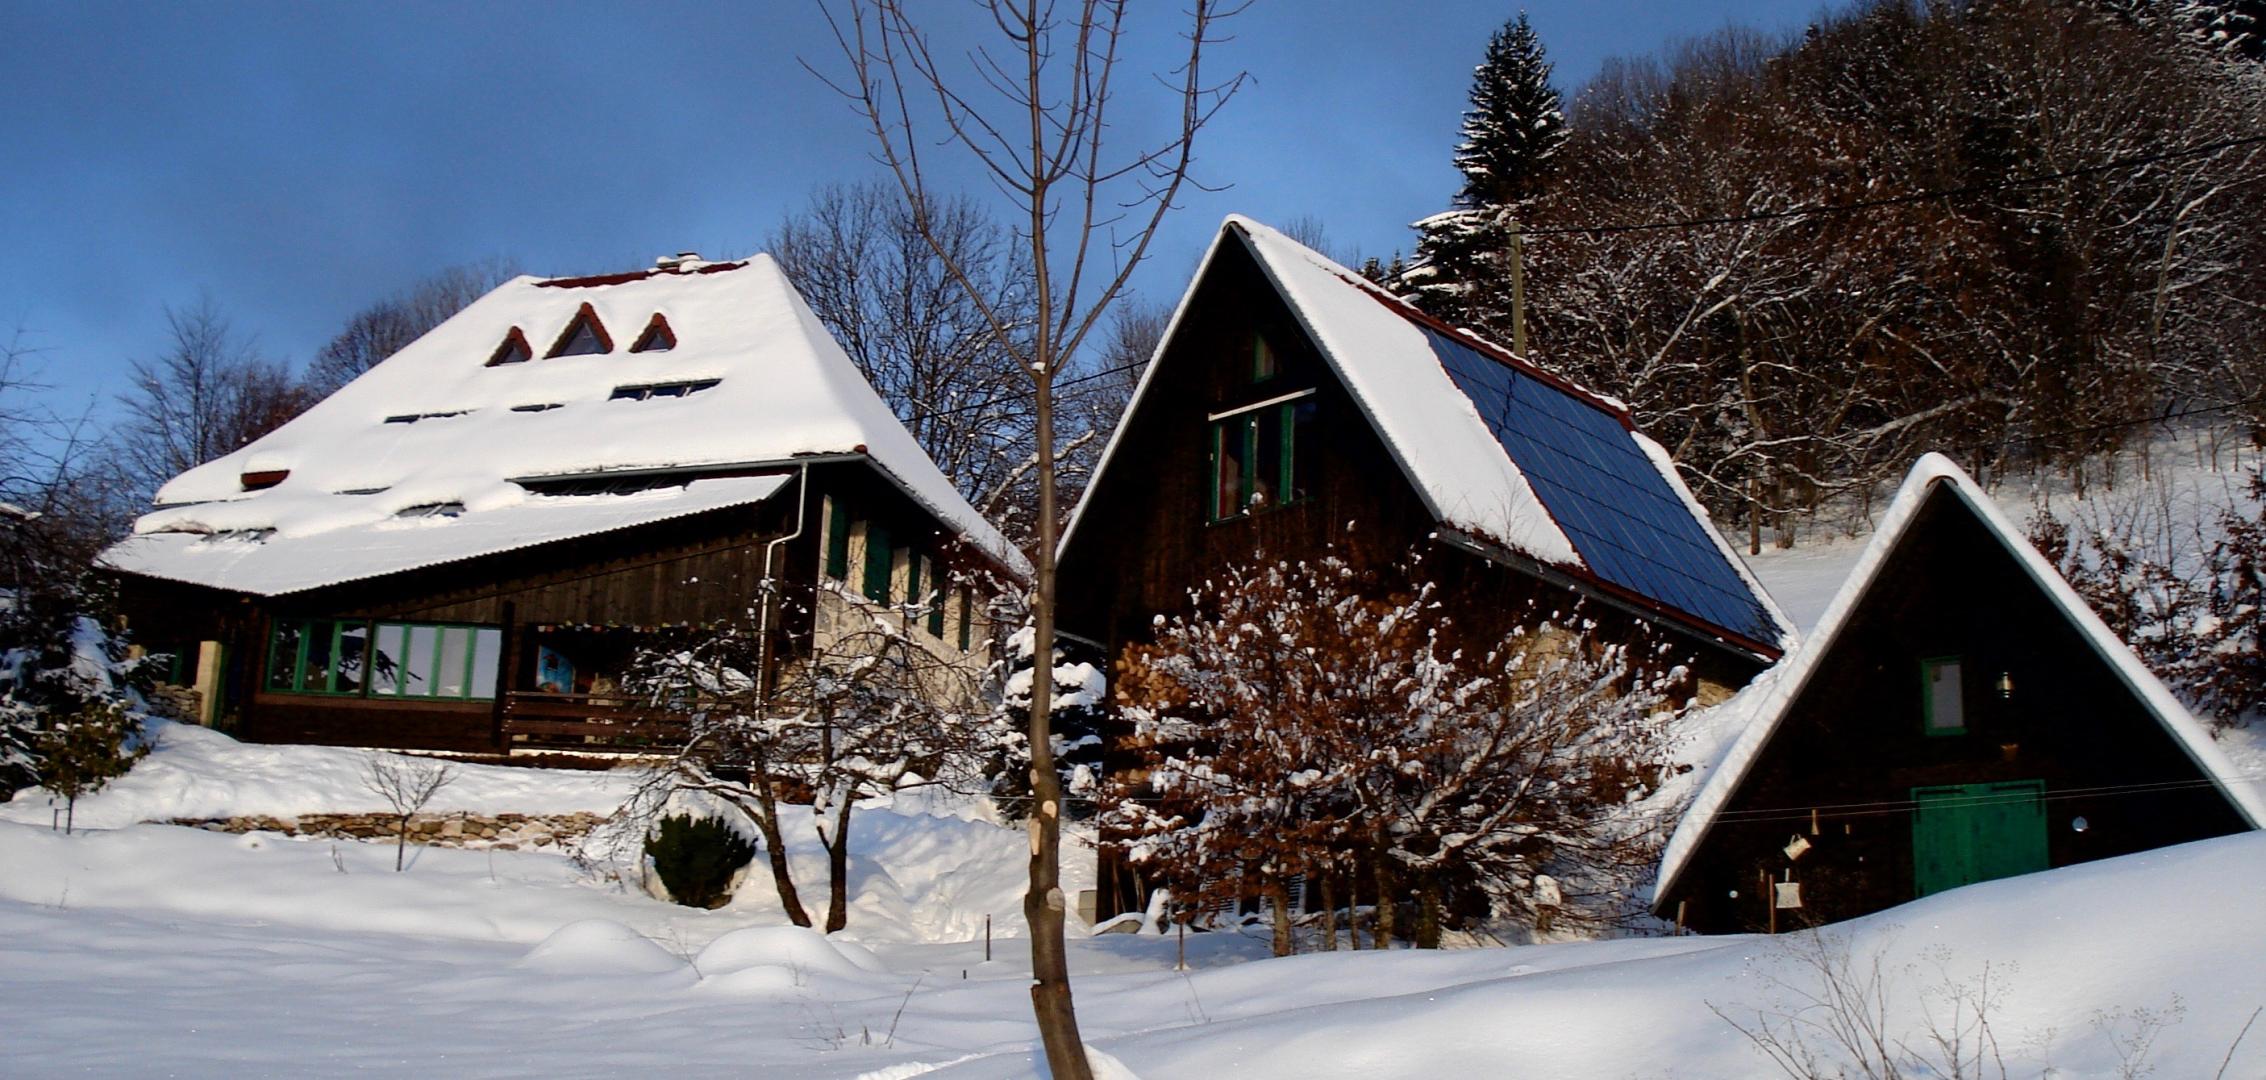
(1308, 721)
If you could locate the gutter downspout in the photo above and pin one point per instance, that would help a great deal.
(770, 557)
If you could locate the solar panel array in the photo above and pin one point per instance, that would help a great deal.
(1622, 516)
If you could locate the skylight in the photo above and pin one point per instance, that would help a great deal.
(431, 510)
(539, 407)
(411, 418)
(585, 336)
(647, 391)
(242, 536)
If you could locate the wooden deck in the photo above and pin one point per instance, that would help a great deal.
(589, 723)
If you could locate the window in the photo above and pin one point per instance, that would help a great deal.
(1262, 456)
(837, 540)
(935, 601)
(386, 659)
(658, 337)
(1942, 706)
(880, 560)
(431, 510)
(647, 391)
(513, 350)
(411, 418)
(1264, 364)
(543, 407)
(967, 617)
(912, 579)
(584, 336)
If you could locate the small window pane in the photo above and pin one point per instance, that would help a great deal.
(316, 674)
(487, 657)
(583, 342)
(283, 655)
(456, 652)
(1263, 362)
(1268, 459)
(1230, 461)
(385, 662)
(353, 655)
(419, 670)
(1303, 449)
(1944, 702)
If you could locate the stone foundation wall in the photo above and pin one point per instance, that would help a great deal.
(507, 832)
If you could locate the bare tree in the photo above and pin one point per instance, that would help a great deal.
(389, 325)
(920, 337)
(1034, 115)
(208, 393)
(406, 784)
(873, 706)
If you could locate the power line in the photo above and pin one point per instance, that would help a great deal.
(2112, 165)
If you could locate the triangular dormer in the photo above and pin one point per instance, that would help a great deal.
(657, 336)
(1958, 715)
(585, 336)
(513, 350)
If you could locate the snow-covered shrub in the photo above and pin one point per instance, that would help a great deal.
(1309, 722)
(2185, 596)
(696, 858)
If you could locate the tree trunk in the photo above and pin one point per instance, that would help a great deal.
(838, 870)
(782, 876)
(1278, 894)
(1329, 911)
(1428, 912)
(1043, 904)
(400, 844)
(1385, 902)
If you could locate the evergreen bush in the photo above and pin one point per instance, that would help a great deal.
(696, 858)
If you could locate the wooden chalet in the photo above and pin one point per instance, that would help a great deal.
(1958, 715)
(463, 549)
(1294, 410)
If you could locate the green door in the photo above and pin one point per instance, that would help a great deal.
(1965, 833)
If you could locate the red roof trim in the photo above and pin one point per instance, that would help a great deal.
(587, 316)
(512, 342)
(596, 280)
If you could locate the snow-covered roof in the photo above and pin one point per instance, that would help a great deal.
(1766, 701)
(1505, 453)
(753, 381)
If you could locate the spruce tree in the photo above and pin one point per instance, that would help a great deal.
(1511, 136)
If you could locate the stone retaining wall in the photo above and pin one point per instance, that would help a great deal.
(508, 832)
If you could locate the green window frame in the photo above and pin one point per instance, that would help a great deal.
(1262, 453)
(367, 658)
(937, 593)
(1943, 699)
(880, 561)
(837, 540)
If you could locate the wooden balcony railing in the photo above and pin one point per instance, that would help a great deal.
(589, 723)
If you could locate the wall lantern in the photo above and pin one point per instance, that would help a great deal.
(2079, 823)
(2006, 684)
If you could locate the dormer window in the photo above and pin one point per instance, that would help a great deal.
(514, 350)
(657, 336)
(585, 336)
(431, 510)
(263, 479)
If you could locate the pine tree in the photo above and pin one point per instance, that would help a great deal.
(1511, 137)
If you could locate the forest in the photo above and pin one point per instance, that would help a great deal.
(2017, 231)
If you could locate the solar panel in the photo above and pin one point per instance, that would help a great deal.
(1623, 517)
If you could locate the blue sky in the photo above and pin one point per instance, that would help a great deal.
(296, 161)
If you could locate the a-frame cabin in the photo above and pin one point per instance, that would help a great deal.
(1958, 715)
(1294, 410)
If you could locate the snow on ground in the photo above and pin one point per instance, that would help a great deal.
(160, 950)
(195, 772)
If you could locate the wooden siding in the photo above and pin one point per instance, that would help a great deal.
(1854, 742)
(1146, 536)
